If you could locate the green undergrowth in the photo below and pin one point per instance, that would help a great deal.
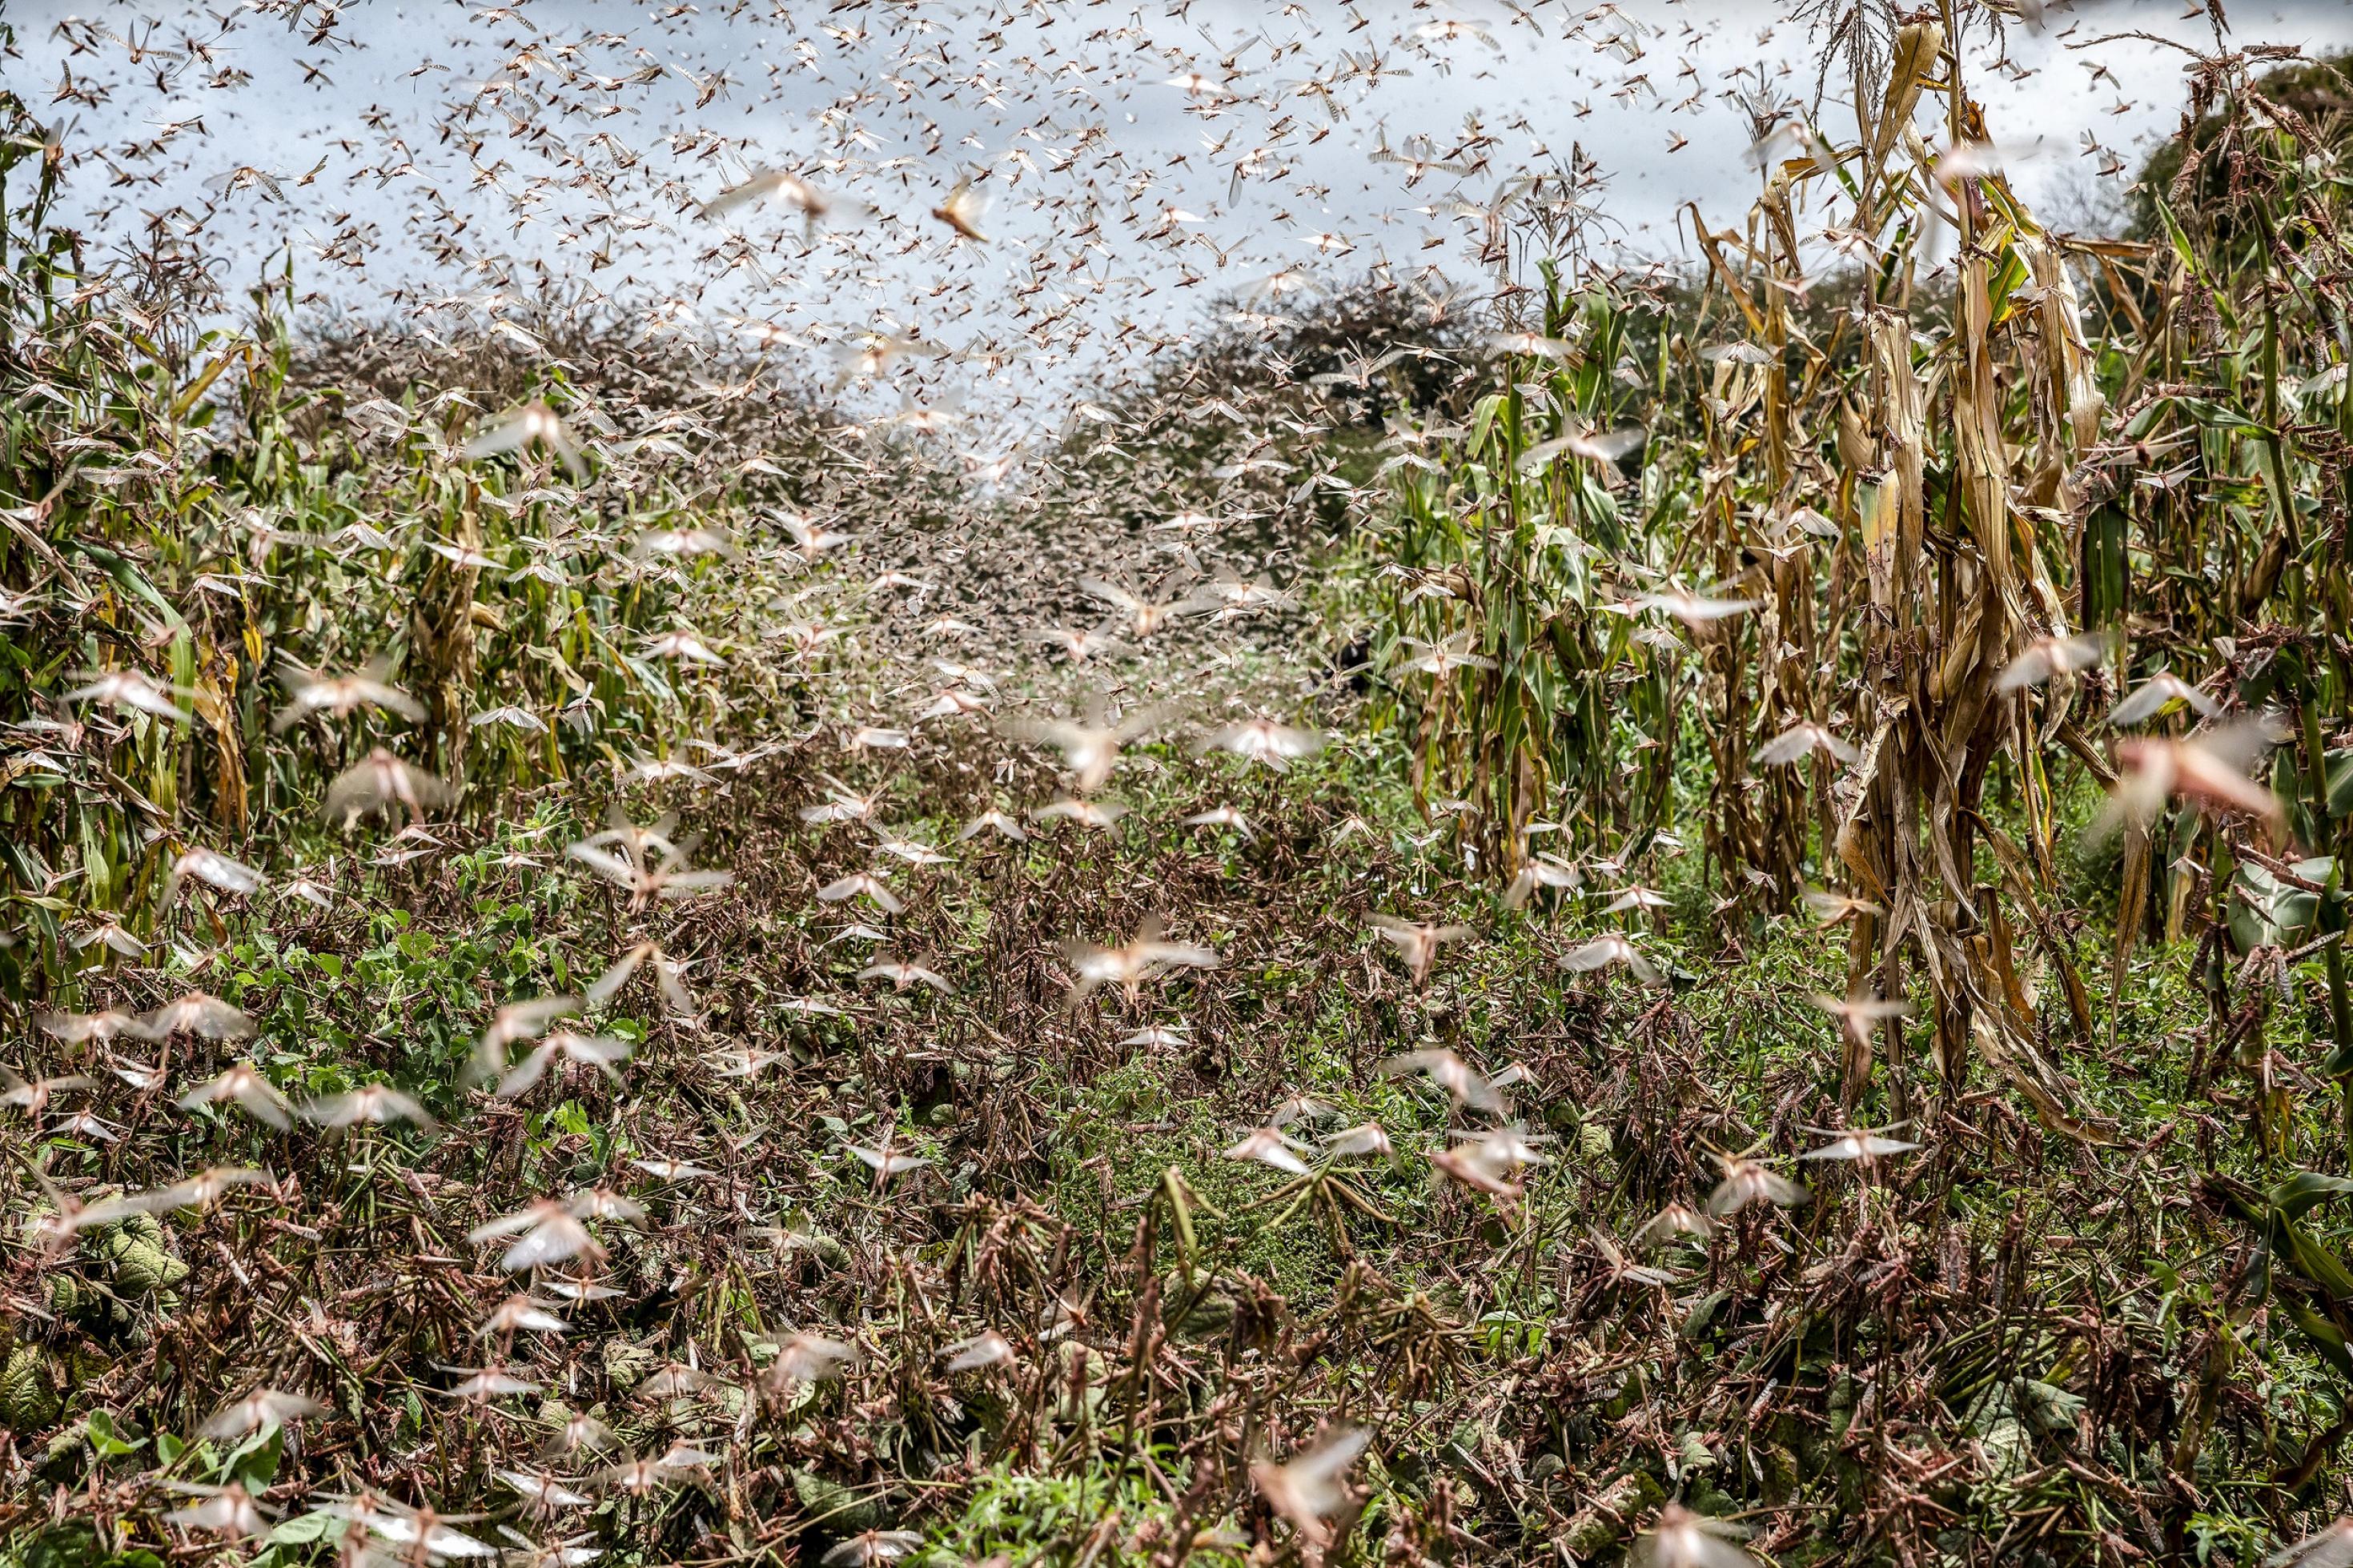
(1625, 1086)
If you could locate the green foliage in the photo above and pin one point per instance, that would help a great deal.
(187, 492)
(1717, 564)
(1537, 697)
(2317, 93)
(2082, 1313)
(1111, 1513)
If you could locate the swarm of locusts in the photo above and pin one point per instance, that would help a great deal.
(766, 869)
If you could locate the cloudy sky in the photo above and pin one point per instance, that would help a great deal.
(1132, 161)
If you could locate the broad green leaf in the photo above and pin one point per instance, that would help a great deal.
(2297, 1195)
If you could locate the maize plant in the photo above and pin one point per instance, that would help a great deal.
(1938, 519)
(177, 495)
(1540, 698)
